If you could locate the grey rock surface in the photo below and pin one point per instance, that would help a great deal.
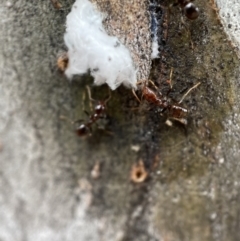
(47, 187)
(230, 18)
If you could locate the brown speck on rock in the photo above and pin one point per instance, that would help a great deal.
(62, 62)
(56, 4)
(138, 172)
(95, 173)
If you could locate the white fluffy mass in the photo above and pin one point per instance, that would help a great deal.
(154, 28)
(91, 48)
(155, 52)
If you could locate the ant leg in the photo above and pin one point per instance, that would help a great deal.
(109, 97)
(75, 123)
(90, 131)
(90, 97)
(62, 117)
(152, 83)
(86, 113)
(184, 96)
(145, 82)
(83, 100)
(159, 92)
(134, 93)
(133, 90)
(89, 93)
(170, 81)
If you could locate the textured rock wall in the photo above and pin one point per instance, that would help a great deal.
(47, 189)
(229, 16)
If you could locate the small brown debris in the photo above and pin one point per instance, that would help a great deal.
(155, 162)
(84, 193)
(56, 4)
(138, 172)
(135, 148)
(169, 123)
(62, 62)
(95, 173)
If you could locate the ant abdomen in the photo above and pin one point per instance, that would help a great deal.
(191, 11)
(82, 130)
(177, 112)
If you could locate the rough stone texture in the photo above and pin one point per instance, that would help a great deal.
(46, 188)
(229, 16)
(129, 20)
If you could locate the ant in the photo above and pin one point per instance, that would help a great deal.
(188, 8)
(174, 110)
(99, 113)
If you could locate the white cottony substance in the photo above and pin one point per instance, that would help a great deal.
(155, 52)
(154, 28)
(91, 48)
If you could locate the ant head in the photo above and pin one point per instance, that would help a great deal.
(191, 11)
(82, 130)
(99, 108)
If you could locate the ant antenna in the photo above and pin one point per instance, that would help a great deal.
(170, 81)
(109, 97)
(63, 117)
(170, 78)
(133, 90)
(90, 96)
(89, 93)
(152, 83)
(83, 99)
(184, 96)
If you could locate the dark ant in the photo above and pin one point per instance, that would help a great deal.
(174, 110)
(99, 113)
(188, 8)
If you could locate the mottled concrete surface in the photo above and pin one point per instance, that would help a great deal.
(47, 191)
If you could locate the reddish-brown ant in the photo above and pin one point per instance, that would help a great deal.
(188, 8)
(174, 110)
(99, 113)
